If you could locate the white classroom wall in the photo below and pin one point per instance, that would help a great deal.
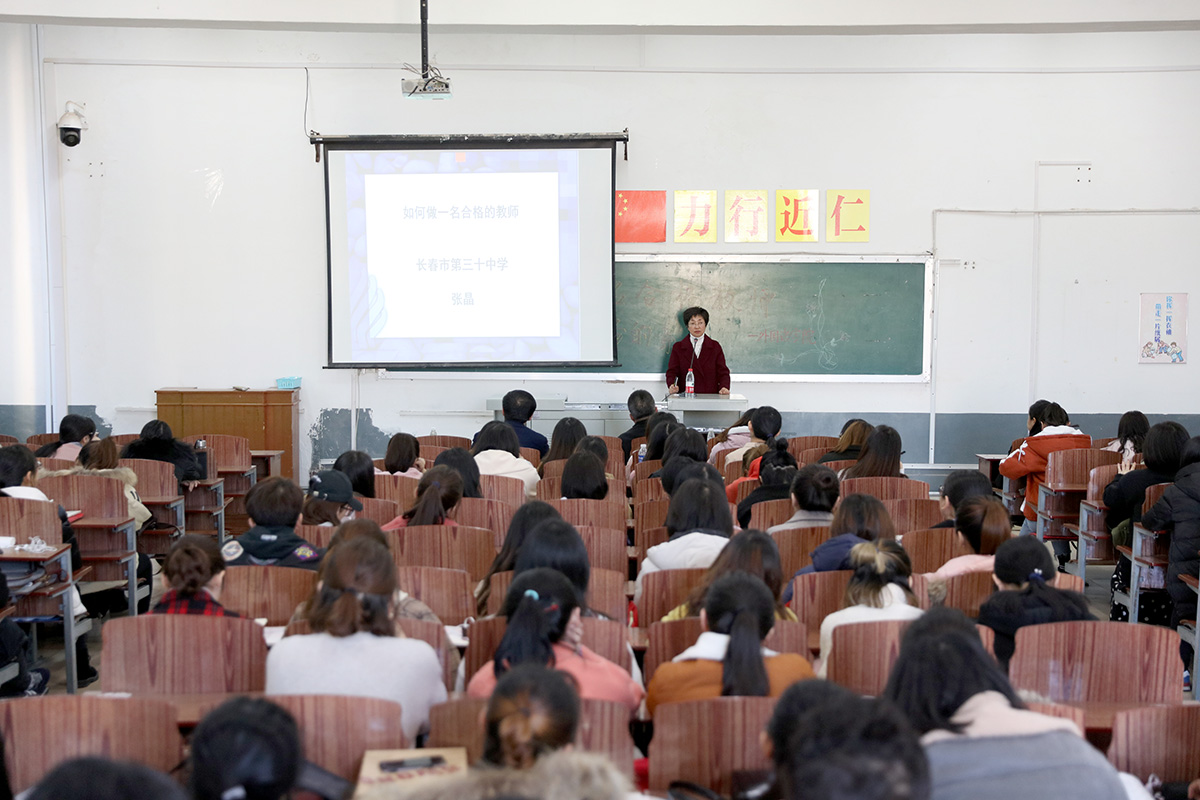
(191, 218)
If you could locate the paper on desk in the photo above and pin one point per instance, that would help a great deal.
(457, 637)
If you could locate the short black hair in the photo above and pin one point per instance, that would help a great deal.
(816, 488)
(16, 461)
(274, 502)
(74, 427)
(246, 742)
(583, 477)
(699, 504)
(1054, 414)
(640, 404)
(518, 406)
(684, 443)
(1163, 447)
(100, 779)
(497, 435)
(694, 311)
(798, 699)
(963, 483)
(555, 544)
(360, 469)
(766, 423)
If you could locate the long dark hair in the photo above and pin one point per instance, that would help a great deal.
(538, 608)
(524, 520)
(863, 515)
(984, 523)
(880, 455)
(699, 504)
(358, 581)
(555, 544)
(360, 469)
(742, 607)
(73, 428)
(656, 437)
(765, 423)
(461, 462)
(740, 422)
(438, 492)
(684, 443)
(778, 466)
(402, 452)
(565, 438)
(751, 552)
(583, 478)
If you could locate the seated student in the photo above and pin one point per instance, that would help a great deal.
(750, 552)
(693, 469)
(497, 452)
(353, 649)
(518, 407)
(563, 441)
(776, 471)
(101, 457)
(765, 424)
(597, 447)
(438, 494)
(958, 486)
(1024, 573)
(641, 406)
(94, 778)
(583, 478)
(15, 648)
(74, 432)
(859, 518)
(1054, 433)
(193, 575)
(814, 494)
(524, 520)
(751, 464)
(330, 500)
(403, 457)
(529, 747)
(1162, 448)
(734, 437)
(360, 469)
(982, 523)
(729, 660)
(880, 456)
(981, 741)
(540, 606)
(248, 748)
(555, 544)
(851, 442)
(461, 462)
(157, 443)
(1131, 431)
(273, 505)
(656, 419)
(878, 590)
(698, 526)
(684, 446)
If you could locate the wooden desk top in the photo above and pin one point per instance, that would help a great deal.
(1098, 716)
(13, 554)
(266, 453)
(191, 708)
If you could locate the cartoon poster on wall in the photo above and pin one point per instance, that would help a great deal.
(1163, 329)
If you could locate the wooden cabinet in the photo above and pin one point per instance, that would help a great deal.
(269, 418)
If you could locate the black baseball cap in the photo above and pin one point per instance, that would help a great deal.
(335, 487)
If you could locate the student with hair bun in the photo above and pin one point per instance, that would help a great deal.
(728, 660)
(194, 574)
(1024, 572)
(814, 494)
(438, 494)
(776, 471)
(878, 590)
(540, 606)
(765, 424)
(353, 649)
(983, 524)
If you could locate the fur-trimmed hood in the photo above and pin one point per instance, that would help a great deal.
(124, 474)
(564, 775)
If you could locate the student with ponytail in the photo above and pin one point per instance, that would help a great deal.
(728, 660)
(776, 471)
(878, 590)
(1024, 572)
(540, 606)
(983, 524)
(74, 432)
(353, 649)
(438, 493)
(193, 575)
(765, 424)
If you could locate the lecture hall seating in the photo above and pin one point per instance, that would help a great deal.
(796, 546)
(1095, 544)
(663, 590)
(336, 730)
(448, 546)
(863, 654)
(182, 654)
(273, 593)
(706, 741)
(447, 592)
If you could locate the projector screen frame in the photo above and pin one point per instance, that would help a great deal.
(325, 144)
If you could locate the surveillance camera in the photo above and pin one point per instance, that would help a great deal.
(71, 125)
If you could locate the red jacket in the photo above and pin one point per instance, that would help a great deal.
(1029, 460)
(709, 367)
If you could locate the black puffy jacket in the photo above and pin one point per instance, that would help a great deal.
(1179, 509)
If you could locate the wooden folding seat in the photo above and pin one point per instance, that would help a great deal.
(158, 490)
(434, 635)
(929, 549)
(1075, 662)
(39, 439)
(636, 444)
(1161, 740)
(400, 489)
(721, 459)
(744, 489)
(967, 592)
(336, 730)
(6, 440)
(56, 464)
(449, 546)
(107, 535)
(809, 455)
(231, 457)
(663, 590)
(1091, 534)
(430, 452)
(707, 741)
(606, 592)
(770, 513)
(553, 469)
(815, 596)
(480, 512)
(648, 489)
(378, 510)
(1064, 487)
(838, 466)
(643, 469)
(669, 639)
(456, 723)
(551, 489)
(182, 654)
(886, 488)
(796, 547)
(643, 540)
(604, 637)
(650, 514)
(273, 593)
(446, 442)
(798, 446)
(596, 513)
(123, 439)
(41, 732)
(732, 470)
(316, 535)
(447, 592)
(1071, 583)
(532, 455)
(606, 548)
(863, 654)
(913, 514)
(503, 488)
(1148, 550)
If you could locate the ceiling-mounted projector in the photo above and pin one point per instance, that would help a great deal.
(435, 87)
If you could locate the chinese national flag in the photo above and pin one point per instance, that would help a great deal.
(641, 217)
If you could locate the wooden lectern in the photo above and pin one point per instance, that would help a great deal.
(269, 418)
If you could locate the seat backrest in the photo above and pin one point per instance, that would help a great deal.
(448, 442)
(732, 470)
(744, 489)
(483, 637)
(643, 540)
(336, 730)
(816, 595)
(663, 590)
(449, 546)
(650, 514)
(968, 591)
(1099, 478)
(809, 455)
(447, 592)
(378, 510)
(800, 445)
(667, 640)
(316, 535)
(1161, 740)
(532, 455)
(863, 654)
(606, 547)
(39, 439)
(706, 741)
(1090, 662)
(1072, 466)
(455, 723)
(224, 450)
(642, 469)
(553, 469)
(1061, 711)
(503, 488)
(400, 489)
(1071, 583)
(838, 466)
(481, 512)
(155, 479)
(796, 547)
(41, 732)
(182, 653)
(95, 495)
(886, 488)
(913, 514)
(271, 592)
(56, 464)
(1154, 493)
(432, 634)
(597, 513)
(6, 439)
(24, 519)
(769, 513)
(648, 489)
(929, 549)
(430, 452)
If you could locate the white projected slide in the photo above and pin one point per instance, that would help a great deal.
(470, 249)
(444, 257)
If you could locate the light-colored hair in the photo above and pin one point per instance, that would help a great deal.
(875, 566)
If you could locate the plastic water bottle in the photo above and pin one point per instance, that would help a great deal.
(691, 383)
(642, 453)
(433, 431)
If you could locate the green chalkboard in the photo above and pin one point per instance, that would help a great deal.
(785, 318)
